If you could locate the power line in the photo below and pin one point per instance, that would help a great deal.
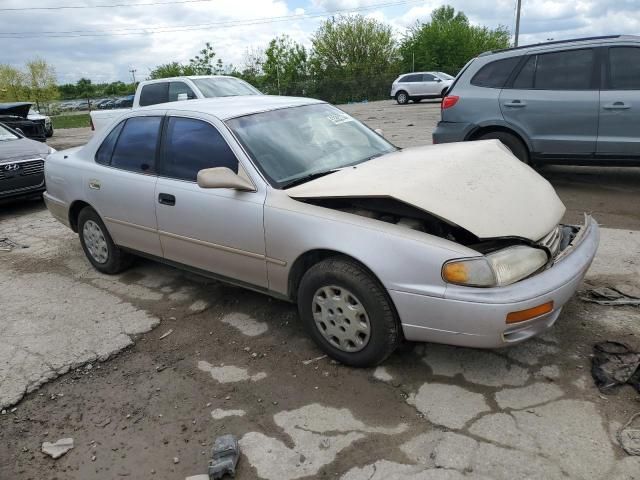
(67, 7)
(195, 27)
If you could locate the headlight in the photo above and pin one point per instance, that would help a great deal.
(500, 268)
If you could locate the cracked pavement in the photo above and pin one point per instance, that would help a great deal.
(239, 362)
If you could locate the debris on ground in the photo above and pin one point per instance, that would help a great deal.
(614, 364)
(224, 457)
(613, 296)
(166, 334)
(629, 435)
(313, 360)
(6, 245)
(57, 449)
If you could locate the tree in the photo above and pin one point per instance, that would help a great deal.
(13, 83)
(203, 63)
(85, 89)
(448, 42)
(353, 58)
(285, 66)
(41, 80)
(173, 69)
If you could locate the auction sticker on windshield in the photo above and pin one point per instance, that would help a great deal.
(338, 118)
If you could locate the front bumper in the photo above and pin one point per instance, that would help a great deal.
(447, 132)
(476, 317)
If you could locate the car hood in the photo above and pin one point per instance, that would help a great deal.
(17, 109)
(22, 148)
(479, 186)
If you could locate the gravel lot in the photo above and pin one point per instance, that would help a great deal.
(140, 404)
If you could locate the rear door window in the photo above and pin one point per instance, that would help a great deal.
(103, 155)
(176, 88)
(568, 70)
(411, 78)
(154, 93)
(137, 145)
(495, 74)
(192, 145)
(624, 68)
(427, 77)
(524, 80)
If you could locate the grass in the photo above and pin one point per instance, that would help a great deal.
(70, 121)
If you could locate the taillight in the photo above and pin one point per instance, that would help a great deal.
(449, 101)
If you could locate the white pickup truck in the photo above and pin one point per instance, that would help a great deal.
(152, 92)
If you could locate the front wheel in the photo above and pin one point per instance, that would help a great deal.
(348, 313)
(98, 246)
(402, 98)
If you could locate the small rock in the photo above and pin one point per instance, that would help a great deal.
(254, 355)
(93, 458)
(176, 460)
(57, 449)
(247, 349)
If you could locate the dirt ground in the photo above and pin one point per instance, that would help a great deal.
(155, 363)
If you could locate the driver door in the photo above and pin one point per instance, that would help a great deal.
(219, 230)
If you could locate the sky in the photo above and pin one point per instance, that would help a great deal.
(104, 44)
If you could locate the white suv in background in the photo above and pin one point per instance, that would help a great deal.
(418, 85)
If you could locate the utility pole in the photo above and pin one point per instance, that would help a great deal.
(518, 5)
(133, 74)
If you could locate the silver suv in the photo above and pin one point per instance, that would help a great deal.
(418, 85)
(573, 102)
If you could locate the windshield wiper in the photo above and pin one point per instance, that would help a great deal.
(308, 178)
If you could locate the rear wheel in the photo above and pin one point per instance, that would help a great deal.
(348, 313)
(402, 97)
(513, 143)
(98, 246)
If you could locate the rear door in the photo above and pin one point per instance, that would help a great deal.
(553, 100)
(412, 84)
(618, 134)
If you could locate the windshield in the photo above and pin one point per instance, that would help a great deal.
(6, 134)
(224, 87)
(293, 143)
(445, 76)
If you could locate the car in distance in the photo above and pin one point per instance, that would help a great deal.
(420, 85)
(573, 102)
(294, 198)
(16, 116)
(48, 126)
(21, 164)
(164, 90)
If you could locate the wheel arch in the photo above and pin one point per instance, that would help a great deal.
(483, 129)
(74, 211)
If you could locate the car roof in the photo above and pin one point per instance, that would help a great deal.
(235, 106)
(569, 42)
(190, 77)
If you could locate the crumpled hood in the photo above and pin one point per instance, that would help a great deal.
(17, 109)
(12, 150)
(479, 186)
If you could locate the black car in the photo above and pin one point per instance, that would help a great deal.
(14, 115)
(21, 164)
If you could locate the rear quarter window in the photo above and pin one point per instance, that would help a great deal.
(495, 74)
(154, 93)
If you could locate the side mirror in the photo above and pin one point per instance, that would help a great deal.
(223, 177)
(438, 80)
(379, 131)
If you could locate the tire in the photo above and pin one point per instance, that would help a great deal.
(104, 255)
(337, 285)
(510, 141)
(402, 97)
(49, 132)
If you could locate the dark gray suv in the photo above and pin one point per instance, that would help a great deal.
(575, 101)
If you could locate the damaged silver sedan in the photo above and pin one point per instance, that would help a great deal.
(457, 243)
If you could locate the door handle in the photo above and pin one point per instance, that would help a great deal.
(166, 199)
(515, 103)
(94, 184)
(617, 106)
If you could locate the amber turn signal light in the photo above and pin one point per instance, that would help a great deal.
(529, 313)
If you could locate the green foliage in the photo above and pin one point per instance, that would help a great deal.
(354, 58)
(36, 83)
(70, 121)
(13, 84)
(285, 67)
(84, 88)
(448, 42)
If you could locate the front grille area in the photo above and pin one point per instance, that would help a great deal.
(552, 241)
(21, 176)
